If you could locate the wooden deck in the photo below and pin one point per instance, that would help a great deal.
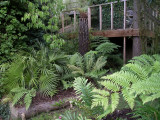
(117, 33)
(122, 33)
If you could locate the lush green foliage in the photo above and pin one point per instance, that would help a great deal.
(87, 65)
(149, 111)
(12, 31)
(138, 78)
(68, 115)
(42, 15)
(37, 72)
(85, 92)
(105, 48)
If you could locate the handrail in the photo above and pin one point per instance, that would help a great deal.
(107, 3)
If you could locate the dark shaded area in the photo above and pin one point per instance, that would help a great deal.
(120, 114)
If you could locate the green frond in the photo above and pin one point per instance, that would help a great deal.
(83, 89)
(19, 93)
(89, 61)
(48, 84)
(143, 60)
(76, 70)
(156, 57)
(138, 70)
(100, 63)
(128, 97)
(118, 79)
(110, 86)
(96, 74)
(87, 65)
(77, 60)
(114, 101)
(28, 98)
(106, 48)
(100, 100)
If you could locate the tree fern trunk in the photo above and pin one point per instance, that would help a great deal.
(83, 35)
(137, 50)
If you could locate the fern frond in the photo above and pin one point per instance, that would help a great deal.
(76, 70)
(114, 101)
(100, 63)
(138, 70)
(106, 48)
(28, 98)
(83, 89)
(110, 86)
(20, 92)
(129, 97)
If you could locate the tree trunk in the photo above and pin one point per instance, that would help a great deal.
(137, 49)
(83, 36)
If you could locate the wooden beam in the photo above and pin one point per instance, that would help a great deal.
(75, 21)
(89, 18)
(107, 3)
(117, 33)
(111, 16)
(62, 17)
(100, 17)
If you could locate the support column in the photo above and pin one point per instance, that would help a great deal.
(124, 39)
(100, 17)
(74, 21)
(111, 16)
(89, 18)
(62, 17)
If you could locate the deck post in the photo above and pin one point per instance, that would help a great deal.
(111, 16)
(74, 21)
(89, 18)
(62, 17)
(100, 17)
(124, 39)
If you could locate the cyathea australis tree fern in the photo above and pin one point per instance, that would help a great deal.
(87, 66)
(141, 77)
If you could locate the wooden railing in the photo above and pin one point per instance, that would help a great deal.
(112, 14)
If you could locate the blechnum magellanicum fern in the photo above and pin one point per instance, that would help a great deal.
(139, 78)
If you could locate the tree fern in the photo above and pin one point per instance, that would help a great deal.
(87, 65)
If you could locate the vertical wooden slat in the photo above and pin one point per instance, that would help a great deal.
(62, 17)
(124, 39)
(125, 8)
(150, 21)
(153, 13)
(89, 18)
(100, 17)
(74, 20)
(111, 16)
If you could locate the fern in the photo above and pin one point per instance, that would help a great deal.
(87, 65)
(22, 92)
(138, 78)
(83, 89)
